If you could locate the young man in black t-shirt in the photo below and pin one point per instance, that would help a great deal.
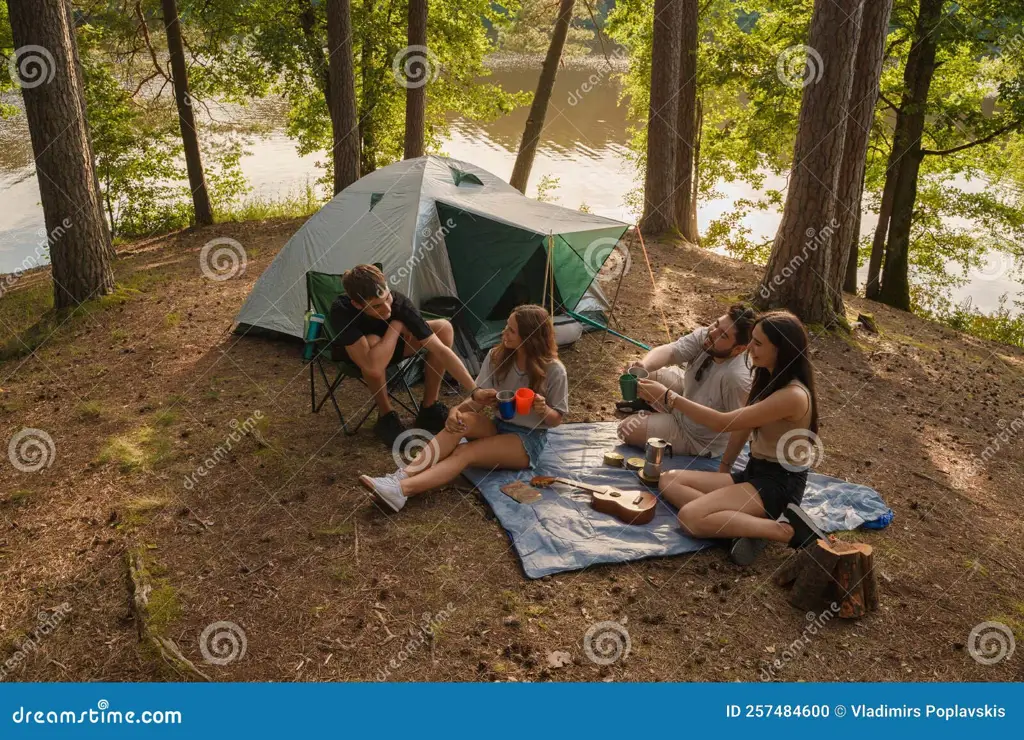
(377, 327)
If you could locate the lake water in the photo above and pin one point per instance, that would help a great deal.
(583, 146)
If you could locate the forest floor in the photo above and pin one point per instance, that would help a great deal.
(280, 540)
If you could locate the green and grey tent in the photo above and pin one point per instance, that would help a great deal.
(440, 227)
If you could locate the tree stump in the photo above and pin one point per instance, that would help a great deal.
(832, 573)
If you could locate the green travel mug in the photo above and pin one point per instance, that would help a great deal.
(627, 383)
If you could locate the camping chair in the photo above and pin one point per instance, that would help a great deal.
(321, 291)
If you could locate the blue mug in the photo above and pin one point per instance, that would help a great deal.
(507, 405)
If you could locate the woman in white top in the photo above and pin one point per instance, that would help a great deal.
(527, 357)
(762, 501)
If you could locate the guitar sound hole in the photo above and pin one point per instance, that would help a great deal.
(615, 494)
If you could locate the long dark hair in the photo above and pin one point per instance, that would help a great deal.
(792, 362)
(535, 328)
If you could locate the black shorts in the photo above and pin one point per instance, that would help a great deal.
(776, 486)
(338, 353)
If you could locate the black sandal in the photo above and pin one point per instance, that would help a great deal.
(632, 407)
(805, 531)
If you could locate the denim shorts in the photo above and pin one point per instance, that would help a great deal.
(533, 440)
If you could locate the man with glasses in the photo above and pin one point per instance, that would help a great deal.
(378, 327)
(717, 374)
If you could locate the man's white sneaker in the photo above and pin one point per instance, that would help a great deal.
(386, 490)
(400, 474)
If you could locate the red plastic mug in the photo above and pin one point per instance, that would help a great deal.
(524, 401)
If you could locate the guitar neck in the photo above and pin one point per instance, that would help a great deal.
(580, 485)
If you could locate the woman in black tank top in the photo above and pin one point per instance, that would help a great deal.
(761, 502)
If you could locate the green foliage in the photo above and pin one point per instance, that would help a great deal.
(531, 27)
(6, 50)
(289, 36)
(1003, 325)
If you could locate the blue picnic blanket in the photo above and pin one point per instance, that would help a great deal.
(560, 532)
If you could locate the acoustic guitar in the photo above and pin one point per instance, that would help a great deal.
(629, 507)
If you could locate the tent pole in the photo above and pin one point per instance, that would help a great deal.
(618, 285)
(654, 285)
(547, 273)
(551, 262)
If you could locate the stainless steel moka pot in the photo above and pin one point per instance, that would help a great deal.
(654, 452)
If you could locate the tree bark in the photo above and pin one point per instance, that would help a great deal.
(539, 108)
(79, 240)
(798, 275)
(186, 115)
(342, 100)
(663, 117)
(874, 27)
(416, 96)
(686, 128)
(917, 79)
(874, 284)
(368, 100)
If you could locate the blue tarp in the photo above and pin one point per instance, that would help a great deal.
(561, 532)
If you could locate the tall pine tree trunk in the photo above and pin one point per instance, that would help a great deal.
(663, 117)
(80, 250)
(874, 284)
(867, 66)
(686, 141)
(186, 115)
(416, 95)
(917, 79)
(541, 98)
(368, 99)
(797, 276)
(342, 100)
